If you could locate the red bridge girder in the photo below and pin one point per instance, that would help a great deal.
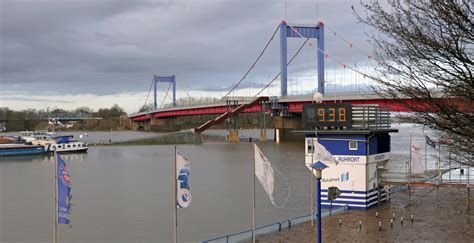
(394, 105)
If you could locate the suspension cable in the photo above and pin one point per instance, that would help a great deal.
(187, 93)
(149, 91)
(368, 54)
(351, 45)
(336, 60)
(291, 60)
(163, 101)
(254, 63)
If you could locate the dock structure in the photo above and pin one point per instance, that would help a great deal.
(358, 136)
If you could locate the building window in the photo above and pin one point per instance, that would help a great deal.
(309, 146)
(310, 149)
(353, 145)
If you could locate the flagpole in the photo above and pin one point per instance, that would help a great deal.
(440, 179)
(426, 162)
(312, 183)
(253, 208)
(411, 148)
(55, 231)
(449, 164)
(409, 168)
(175, 211)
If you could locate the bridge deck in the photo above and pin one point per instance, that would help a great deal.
(294, 104)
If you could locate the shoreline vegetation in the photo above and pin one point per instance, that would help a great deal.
(82, 118)
(172, 138)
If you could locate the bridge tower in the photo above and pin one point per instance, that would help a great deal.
(301, 31)
(164, 79)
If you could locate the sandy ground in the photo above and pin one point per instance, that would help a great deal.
(440, 215)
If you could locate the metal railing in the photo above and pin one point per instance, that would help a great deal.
(237, 98)
(370, 117)
(272, 228)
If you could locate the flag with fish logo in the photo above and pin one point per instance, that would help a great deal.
(64, 196)
(183, 167)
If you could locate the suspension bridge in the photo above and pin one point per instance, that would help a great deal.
(283, 104)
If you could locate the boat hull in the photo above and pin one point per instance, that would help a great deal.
(21, 150)
(76, 150)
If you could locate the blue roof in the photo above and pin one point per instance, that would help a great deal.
(318, 165)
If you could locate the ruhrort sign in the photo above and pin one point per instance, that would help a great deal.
(327, 115)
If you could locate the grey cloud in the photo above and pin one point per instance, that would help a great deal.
(34, 100)
(107, 47)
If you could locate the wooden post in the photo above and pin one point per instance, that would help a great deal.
(468, 211)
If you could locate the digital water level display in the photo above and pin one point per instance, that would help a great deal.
(327, 115)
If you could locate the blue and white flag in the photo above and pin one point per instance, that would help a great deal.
(320, 153)
(416, 164)
(264, 172)
(64, 196)
(183, 167)
(430, 142)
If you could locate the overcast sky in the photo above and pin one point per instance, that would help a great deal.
(98, 53)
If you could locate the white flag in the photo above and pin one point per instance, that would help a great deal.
(182, 177)
(264, 172)
(321, 154)
(416, 164)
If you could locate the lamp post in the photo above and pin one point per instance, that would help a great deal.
(317, 98)
(318, 166)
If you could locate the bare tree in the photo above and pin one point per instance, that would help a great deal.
(424, 54)
(147, 108)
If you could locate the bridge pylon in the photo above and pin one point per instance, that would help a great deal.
(163, 79)
(301, 31)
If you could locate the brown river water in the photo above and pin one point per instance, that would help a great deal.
(124, 194)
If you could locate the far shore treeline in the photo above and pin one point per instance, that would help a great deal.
(104, 119)
(113, 118)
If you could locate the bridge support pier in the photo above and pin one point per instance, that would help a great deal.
(284, 127)
(263, 136)
(233, 136)
(232, 122)
(263, 125)
(164, 125)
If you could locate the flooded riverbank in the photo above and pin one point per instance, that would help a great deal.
(440, 215)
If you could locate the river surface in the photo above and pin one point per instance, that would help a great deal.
(124, 194)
